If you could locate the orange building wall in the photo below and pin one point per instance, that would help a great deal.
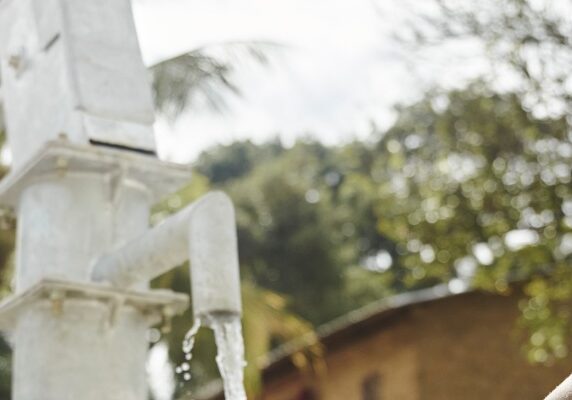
(464, 347)
(471, 349)
(391, 354)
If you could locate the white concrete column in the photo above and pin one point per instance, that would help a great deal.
(65, 223)
(79, 352)
(73, 349)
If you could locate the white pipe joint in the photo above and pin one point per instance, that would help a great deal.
(205, 234)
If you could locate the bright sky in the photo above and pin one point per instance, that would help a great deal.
(339, 69)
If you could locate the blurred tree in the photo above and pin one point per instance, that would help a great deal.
(477, 189)
(529, 46)
(528, 42)
(236, 160)
(5, 369)
(285, 236)
(305, 219)
(7, 239)
(203, 76)
(468, 187)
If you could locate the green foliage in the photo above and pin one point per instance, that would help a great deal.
(304, 215)
(266, 321)
(446, 192)
(529, 46)
(467, 174)
(266, 318)
(236, 160)
(5, 369)
(302, 219)
(7, 238)
(461, 181)
(203, 76)
(528, 43)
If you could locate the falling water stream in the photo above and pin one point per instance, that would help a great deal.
(230, 353)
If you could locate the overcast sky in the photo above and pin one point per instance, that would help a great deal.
(339, 69)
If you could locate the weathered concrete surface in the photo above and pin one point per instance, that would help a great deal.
(72, 77)
(77, 348)
(73, 68)
(80, 352)
(205, 233)
(64, 224)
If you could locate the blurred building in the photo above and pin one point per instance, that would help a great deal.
(426, 345)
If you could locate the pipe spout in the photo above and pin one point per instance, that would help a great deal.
(205, 234)
(213, 254)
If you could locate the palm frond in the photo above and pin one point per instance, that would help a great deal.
(203, 76)
(266, 318)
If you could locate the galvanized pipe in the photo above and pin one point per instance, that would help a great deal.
(205, 234)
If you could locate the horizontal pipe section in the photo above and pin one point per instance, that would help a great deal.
(148, 256)
(205, 233)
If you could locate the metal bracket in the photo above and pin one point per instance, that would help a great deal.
(154, 303)
(60, 157)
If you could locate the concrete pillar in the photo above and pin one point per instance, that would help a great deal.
(82, 351)
(76, 65)
(65, 223)
(77, 348)
(79, 118)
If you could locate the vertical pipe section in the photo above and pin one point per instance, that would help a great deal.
(213, 252)
(64, 223)
(205, 233)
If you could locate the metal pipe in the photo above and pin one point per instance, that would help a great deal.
(563, 391)
(205, 234)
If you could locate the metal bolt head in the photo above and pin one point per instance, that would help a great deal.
(15, 61)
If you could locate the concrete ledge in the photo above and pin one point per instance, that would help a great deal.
(157, 304)
(62, 157)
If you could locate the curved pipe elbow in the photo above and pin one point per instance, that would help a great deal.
(205, 234)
